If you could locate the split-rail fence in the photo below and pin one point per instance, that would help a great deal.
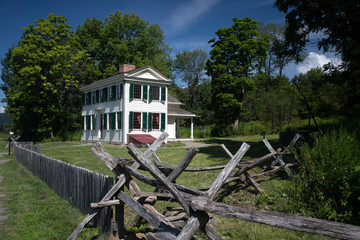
(197, 205)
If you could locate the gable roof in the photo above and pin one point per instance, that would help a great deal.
(146, 73)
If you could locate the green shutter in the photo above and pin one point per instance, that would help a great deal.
(88, 98)
(150, 94)
(82, 122)
(113, 121)
(145, 93)
(144, 121)
(88, 122)
(83, 99)
(121, 90)
(162, 127)
(105, 121)
(131, 121)
(113, 93)
(163, 94)
(150, 121)
(97, 96)
(131, 91)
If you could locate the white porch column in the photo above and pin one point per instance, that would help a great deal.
(177, 128)
(192, 128)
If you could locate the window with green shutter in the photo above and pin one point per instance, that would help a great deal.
(131, 120)
(93, 122)
(150, 121)
(162, 127)
(144, 121)
(119, 120)
(104, 97)
(145, 93)
(93, 96)
(131, 93)
(163, 94)
(113, 121)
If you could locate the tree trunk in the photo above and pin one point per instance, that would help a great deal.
(237, 118)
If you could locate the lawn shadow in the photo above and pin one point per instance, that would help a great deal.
(256, 150)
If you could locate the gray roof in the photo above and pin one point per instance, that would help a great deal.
(172, 100)
(175, 110)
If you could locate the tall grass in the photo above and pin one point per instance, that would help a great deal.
(328, 185)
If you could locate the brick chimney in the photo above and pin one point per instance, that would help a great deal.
(126, 68)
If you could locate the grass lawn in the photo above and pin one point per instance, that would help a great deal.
(35, 212)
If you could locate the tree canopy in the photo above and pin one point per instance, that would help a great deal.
(124, 38)
(41, 77)
(336, 23)
(234, 60)
(189, 67)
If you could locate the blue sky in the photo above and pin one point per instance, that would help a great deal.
(187, 24)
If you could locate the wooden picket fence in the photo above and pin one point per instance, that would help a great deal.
(78, 186)
(197, 205)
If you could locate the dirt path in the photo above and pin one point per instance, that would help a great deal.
(2, 210)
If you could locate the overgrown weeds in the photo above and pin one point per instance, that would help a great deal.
(328, 185)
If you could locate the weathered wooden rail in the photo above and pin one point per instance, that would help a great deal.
(197, 205)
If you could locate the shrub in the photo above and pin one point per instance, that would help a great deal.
(222, 131)
(328, 185)
(251, 128)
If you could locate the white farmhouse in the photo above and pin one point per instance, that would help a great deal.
(133, 106)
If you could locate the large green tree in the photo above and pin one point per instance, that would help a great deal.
(189, 68)
(234, 60)
(41, 77)
(124, 38)
(336, 25)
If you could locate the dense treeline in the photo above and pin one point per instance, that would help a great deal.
(240, 80)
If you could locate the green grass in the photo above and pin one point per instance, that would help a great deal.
(37, 213)
(34, 211)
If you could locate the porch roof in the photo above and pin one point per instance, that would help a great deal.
(176, 111)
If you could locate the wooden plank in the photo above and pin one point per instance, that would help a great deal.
(190, 154)
(225, 173)
(155, 172)
(279, 157)
(92, 213)
(276, 219)
(154, 182)
(200, 218)
(150, 218)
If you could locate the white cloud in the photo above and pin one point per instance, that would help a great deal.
(2, 109)
(188, 12)
(314, 60)
(191, 43)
